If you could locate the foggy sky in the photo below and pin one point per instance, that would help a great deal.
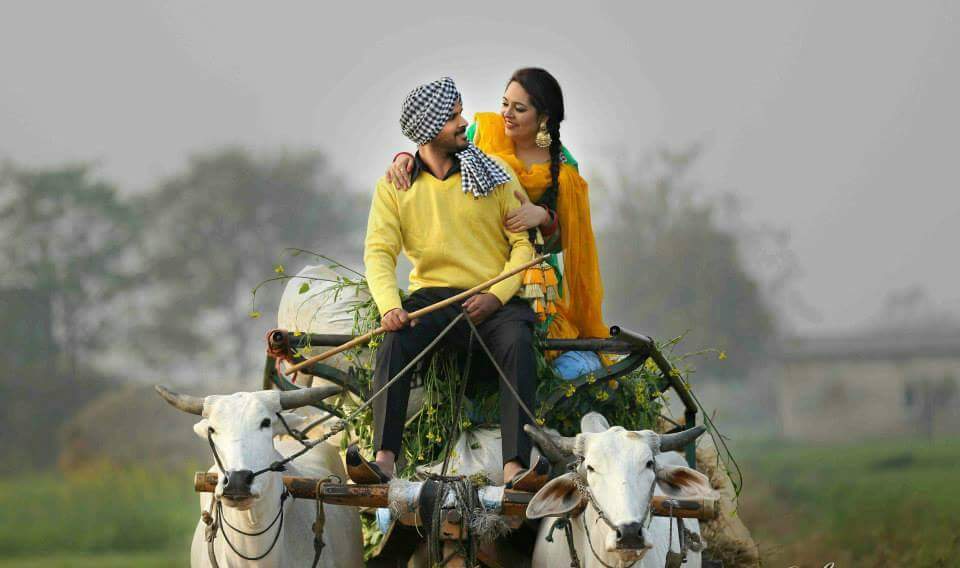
(835, 121)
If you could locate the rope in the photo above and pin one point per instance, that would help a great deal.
(213, 448)
(319, 524)
(502, 375)
(276, 537)
(467, 503)
(295, 434)
(584, 490)
(458, 408)
(341, 424)
(567, 526)
(434, 548)
(210, 531)
(583, 521)
(283, 497)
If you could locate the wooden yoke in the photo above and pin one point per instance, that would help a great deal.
(512, 503)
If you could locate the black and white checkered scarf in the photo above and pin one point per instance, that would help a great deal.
(425, 110)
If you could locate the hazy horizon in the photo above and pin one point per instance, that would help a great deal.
(832, 121)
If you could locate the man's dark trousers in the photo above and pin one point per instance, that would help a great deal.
(508, 333)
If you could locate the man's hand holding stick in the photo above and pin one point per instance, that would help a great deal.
(414, 315)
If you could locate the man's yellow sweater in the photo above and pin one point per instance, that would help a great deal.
(452, 239)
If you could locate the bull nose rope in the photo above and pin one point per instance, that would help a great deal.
(583, 488)
(215, 522)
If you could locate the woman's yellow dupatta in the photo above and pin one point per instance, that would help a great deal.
(580, 313)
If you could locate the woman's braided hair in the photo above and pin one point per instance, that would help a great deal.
(547, 97)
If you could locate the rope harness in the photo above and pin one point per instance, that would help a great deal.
(215, 523)
(583, 488)
(673, 560)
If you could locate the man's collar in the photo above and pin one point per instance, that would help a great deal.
(419, 167)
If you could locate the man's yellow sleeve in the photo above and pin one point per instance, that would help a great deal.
(383, 243)
(521, 251)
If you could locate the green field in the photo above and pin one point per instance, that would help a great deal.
(891, 503)
(166, 559)
(884, 503)
(100, 517)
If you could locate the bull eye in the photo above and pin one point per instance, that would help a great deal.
(265, 423)
(649, 464)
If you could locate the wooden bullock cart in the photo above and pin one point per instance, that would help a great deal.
(444, 518)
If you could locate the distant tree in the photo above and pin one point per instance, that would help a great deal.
(216, 229)
(913, 310)
(673, 266)
(67, 237)
(65, 262)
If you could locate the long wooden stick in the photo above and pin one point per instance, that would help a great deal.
(414, 315)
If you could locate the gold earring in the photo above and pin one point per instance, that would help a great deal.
(543, 139)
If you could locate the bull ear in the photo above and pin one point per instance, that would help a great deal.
(200, 428)
(594, 423)
(681, 481)
(558, 497)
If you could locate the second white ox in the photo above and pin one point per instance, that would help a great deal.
(256, 519)
(622, 469)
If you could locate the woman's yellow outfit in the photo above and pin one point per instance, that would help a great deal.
(578, 311)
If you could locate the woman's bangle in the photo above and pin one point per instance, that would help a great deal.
(551, 225)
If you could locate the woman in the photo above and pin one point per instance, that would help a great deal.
(526, 134)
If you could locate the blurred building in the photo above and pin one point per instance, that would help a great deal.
(870, 385)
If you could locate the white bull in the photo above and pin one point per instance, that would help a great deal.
(622, 469)
(242, 427)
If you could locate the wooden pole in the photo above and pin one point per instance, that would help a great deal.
(414, 315)
(514, 503)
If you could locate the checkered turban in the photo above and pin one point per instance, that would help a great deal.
(427, 108)
(424, 113)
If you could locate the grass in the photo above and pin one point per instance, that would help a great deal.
(107, 516)
(881, 503)
(168, 559)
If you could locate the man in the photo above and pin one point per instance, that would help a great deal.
(450, 224)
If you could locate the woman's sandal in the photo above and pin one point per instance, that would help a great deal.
(361, 471)
(532, 479)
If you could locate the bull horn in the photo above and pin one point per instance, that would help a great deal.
(185, 402)
(556, 448)
(309, 396)
(676, 442)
